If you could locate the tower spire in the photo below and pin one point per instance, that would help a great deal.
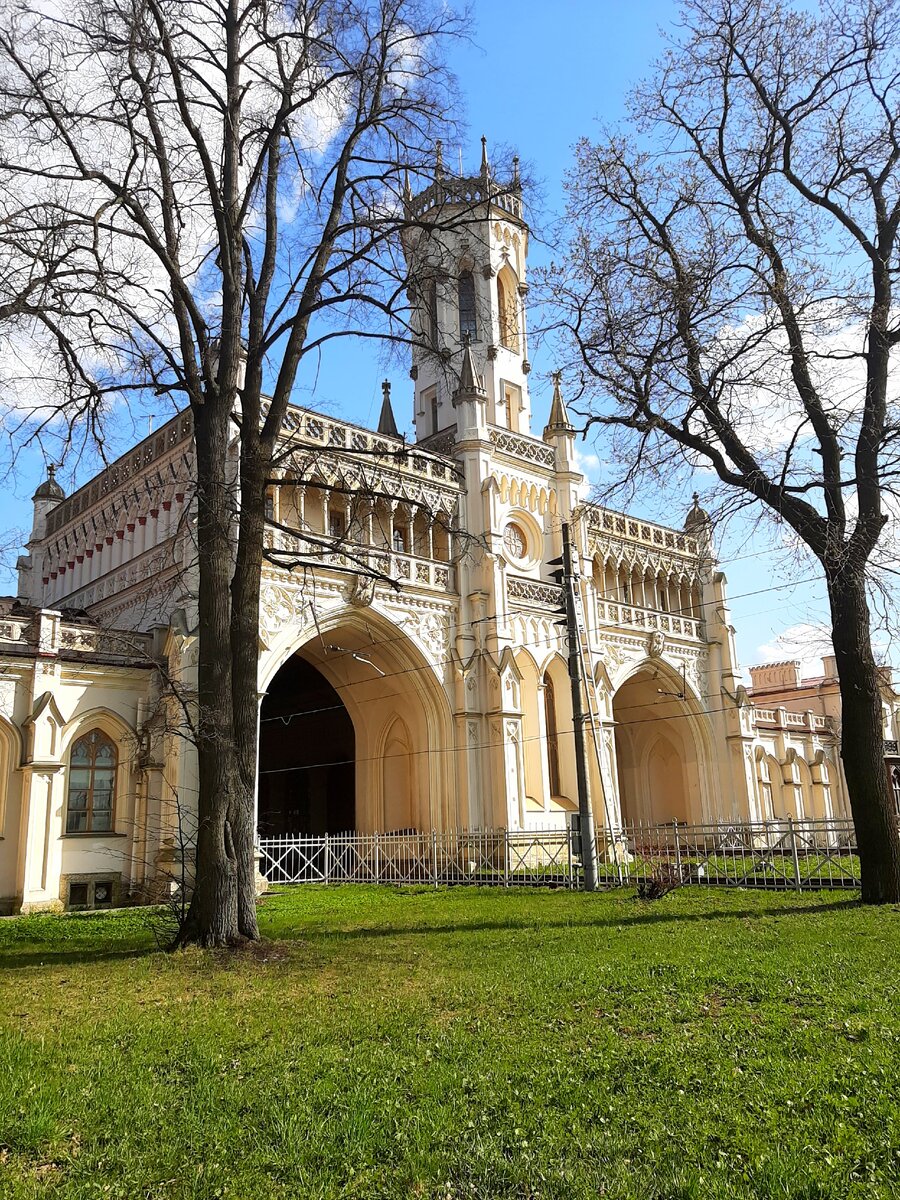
(386, 423)
(559, 416)
(470, 382)
(485, 165)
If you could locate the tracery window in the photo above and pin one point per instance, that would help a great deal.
(399, 542)
(465, 291)
(514, 540)
(91, 793)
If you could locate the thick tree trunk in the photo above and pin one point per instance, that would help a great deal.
(862, 745)
(212, 917)
(245, 591)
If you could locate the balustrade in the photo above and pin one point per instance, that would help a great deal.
(648, 619)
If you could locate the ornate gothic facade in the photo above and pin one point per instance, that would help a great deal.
(414, 677)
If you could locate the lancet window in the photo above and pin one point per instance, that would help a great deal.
(92, 784)
(468, 323)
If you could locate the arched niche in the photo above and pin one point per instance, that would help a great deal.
(397, 778)
(662, 754)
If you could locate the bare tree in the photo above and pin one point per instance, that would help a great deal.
(729, 299)
(230, 176)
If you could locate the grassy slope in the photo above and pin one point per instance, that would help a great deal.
(461, 1043)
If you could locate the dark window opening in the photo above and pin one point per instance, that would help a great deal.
(468, 324)
(552, 738)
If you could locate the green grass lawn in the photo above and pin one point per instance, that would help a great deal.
(462, 1043)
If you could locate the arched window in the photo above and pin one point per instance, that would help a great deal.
(431, 313)
(465, 291)
(92, 784)
(552, 738)
(509, 318)
(399, 542)
(895, 789)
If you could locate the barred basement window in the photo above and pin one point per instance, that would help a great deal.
(92, 784)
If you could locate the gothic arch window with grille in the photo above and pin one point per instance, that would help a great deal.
(468, 321)
(91, 792)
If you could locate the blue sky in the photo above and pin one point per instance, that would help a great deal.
(535, 78)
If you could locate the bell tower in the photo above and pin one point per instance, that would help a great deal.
(466, 252)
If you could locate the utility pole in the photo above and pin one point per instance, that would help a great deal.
(570, 583)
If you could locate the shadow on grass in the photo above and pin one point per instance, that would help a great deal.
(46, 956)
(642, 917)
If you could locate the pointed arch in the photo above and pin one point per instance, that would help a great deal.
(508, 308)
(397, 777)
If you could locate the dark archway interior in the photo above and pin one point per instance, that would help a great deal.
(307, 751)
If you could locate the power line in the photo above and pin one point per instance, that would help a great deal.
(430, 666)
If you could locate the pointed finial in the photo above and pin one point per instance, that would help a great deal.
(407, 190)
(51, 471)
(516, 180)
(485, 165)
(559, 417)
(439, 159)
(386, 422)
(470, 382)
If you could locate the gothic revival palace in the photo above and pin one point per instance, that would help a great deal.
(432, 695)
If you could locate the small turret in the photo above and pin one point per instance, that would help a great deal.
(50, 489)
(386, 423)
(699, 524)
(48, 495)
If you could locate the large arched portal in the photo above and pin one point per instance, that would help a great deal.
(307, 752)
(373, 747)
(660, 767)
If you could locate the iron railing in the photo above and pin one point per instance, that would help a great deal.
(776, 855)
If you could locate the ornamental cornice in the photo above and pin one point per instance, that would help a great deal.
(621, 526)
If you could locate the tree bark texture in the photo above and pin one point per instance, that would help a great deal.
(212, 918)
(862, 744)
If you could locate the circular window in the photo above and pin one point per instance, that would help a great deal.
(514, 540)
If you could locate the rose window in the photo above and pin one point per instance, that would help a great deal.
(514, 541)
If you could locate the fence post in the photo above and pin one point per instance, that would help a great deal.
(434, 871)
(327, 862)
(569, 880)
(506, 858)
(677, 848)
(377, 859)
(794, 853)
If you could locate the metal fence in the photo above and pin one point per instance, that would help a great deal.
(776, 855)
